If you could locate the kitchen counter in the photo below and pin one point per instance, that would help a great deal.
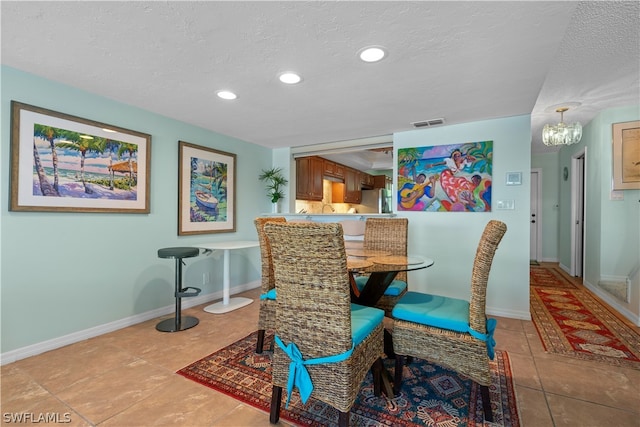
(330, 217)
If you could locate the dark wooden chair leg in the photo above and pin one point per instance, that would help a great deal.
(397, 381)
(276, 401)
(377, 377)
(486, 403)
(343, 420)
(260, 342)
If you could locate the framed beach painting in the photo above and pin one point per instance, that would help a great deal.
(206, 191)
(626, 156)
(446, 178)
(63, 163)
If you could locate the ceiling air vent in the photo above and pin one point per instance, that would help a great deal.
(427, 123)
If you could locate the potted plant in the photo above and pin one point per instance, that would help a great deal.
(275, 182)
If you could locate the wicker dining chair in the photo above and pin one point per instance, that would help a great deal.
(314, 316)
(452, 332)
(387, 234)
(267, 315)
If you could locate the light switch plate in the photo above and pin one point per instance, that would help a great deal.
(505, 204)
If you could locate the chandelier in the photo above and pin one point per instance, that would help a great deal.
(562, 133)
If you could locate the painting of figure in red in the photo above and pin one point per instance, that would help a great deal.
(446, 178)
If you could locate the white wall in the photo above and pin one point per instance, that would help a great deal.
(64, 273)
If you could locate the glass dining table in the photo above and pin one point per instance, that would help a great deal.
(381, 268)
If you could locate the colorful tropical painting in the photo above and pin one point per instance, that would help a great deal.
(208, 189)
(446, 178)
(78, 165)
(64, 163)
(206, 192)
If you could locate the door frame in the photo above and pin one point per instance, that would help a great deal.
(578, 201)
(538, 172)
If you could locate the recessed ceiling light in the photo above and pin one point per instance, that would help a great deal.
(225, 94)
(372, 53)
(290, 78)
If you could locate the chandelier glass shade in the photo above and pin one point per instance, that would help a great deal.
(562, 133)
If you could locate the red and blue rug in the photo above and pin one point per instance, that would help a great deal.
(572, 322)
(430, 395)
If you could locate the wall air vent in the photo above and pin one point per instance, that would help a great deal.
(428, 123)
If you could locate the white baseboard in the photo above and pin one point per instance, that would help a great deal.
(52, 344)
(614, 303)
(522, 315)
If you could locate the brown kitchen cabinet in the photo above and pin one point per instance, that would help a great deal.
(309, 172)
(333, 169)
(366, 181)
(352, 193)
(381, 181)
(349, 191)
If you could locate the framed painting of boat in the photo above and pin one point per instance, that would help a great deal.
(206, 192)
(64, 163)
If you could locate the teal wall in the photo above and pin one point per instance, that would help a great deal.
(612, 227)
(550, 202)
(67, 272)
(64, 273)
(451, 238)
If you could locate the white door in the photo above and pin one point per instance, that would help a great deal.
(534, 219)
(579, 216)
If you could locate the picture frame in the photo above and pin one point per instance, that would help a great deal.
(626, 155)
(64, 163)
(446, 177)
(206, 190)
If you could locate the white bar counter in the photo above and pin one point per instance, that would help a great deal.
(227, 304)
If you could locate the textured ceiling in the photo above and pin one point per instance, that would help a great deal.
(462, 61)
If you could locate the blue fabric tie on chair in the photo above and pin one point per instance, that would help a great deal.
(269, 295)
(298, 374)
(488, 337)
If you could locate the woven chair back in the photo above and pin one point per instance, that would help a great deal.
(313, 304)
(268, 282)
(491, 237)
(387, 234)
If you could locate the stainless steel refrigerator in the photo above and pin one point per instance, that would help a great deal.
(375, 201)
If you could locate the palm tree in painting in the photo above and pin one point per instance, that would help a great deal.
(45, 186)
(482, 153)
(82, 144)
(50, 134)
(131, 150)
(409, 157)
(219, 173)
(109, 146)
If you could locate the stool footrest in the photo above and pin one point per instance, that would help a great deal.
(185, 292)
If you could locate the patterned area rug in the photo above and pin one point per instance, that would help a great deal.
(573, 323)
(430, 395)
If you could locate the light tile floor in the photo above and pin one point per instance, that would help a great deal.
(127, 378)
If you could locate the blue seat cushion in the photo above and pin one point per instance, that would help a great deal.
(433, 310)
(395, 288)
(269, 295)
(363, 321)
